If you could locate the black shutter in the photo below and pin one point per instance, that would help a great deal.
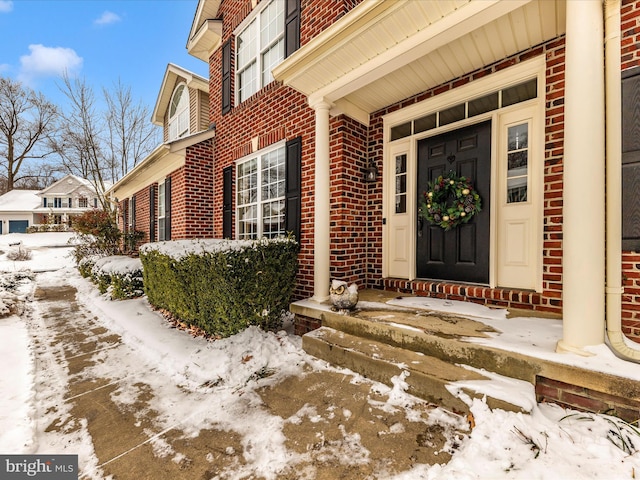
(226, 77)
(133, 213)
(167, 209)
(293, 186)
(227, 202)
(152, 213)
(631, 160)
(292, 27)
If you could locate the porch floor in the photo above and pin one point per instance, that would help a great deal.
(517, 345)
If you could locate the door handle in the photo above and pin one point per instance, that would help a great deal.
(420, 222)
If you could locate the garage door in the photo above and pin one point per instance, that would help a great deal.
(18, 226)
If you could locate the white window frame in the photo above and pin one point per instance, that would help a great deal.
(83, 202)
(161, 210)
(245, 202)
(178, 121)
(254, 65)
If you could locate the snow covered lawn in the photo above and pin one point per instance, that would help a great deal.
(549, 443)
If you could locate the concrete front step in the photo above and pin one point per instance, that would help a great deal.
(428, 376)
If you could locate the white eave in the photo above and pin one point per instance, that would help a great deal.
(164, 159)
(172, 73)
(383, 52)
(206, 30)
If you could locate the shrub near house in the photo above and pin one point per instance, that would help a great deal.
(222, 286)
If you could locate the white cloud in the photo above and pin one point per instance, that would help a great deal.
(6, 6)
(48, 61)
(107, 18)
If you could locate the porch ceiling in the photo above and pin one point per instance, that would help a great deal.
(383, 52)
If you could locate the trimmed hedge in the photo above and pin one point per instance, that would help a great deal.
(222, 286)
(116, 275)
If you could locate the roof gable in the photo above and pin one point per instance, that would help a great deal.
(206, 30)
(68, 185)
(173, 75)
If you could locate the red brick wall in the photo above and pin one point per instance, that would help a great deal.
(586, 399)
(348, 201)
(192, 205)
(143, 210)
(630, 58)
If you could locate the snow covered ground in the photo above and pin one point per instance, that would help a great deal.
(549, 443)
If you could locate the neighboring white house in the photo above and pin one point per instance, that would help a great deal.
(55, 205)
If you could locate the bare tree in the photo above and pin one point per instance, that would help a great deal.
(102, 145)
(131, 135)
(79, 141)
(26, 119)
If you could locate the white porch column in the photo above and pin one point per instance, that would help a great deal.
(322, 213)
(584, 172)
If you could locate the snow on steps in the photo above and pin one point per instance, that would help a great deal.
(429, 378)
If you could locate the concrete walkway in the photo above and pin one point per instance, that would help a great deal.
(129, 443)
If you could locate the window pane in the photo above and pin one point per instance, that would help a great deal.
(271, 59)
(517, 162)
(518, 137)
(273, 218)
(517, 190)
(452, 114)
(483, 104)
(401, 131)
(247, 222)
(401, 163)
(248, 82)
(401, 203)
(247, 182)
(401, 184)
(247, 45)
(425, 123)
(520, 93)
(271, 22)
(273, 173)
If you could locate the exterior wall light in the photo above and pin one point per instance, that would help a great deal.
(371, 173)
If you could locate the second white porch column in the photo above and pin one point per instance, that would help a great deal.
(584, 171)
(322, 212)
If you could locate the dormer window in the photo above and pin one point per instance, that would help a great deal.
(179, 113)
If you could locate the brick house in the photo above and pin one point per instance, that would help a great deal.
(167, 195)
(332, 116)
(52, 208)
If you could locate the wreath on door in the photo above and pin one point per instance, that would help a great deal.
(449, 201)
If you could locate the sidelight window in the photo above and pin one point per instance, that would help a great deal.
(517, 162)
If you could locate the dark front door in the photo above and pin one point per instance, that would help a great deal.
(462, 253)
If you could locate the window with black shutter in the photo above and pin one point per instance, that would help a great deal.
(227, 202)
(631, 160)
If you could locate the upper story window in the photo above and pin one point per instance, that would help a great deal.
(179, 113)
(83, 202)
(260, 46)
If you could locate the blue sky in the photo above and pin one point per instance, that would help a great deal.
(101, 41)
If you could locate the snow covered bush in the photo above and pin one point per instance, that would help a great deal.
(19, 254)
(222, 286)
(118, 276)
(96, 234)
